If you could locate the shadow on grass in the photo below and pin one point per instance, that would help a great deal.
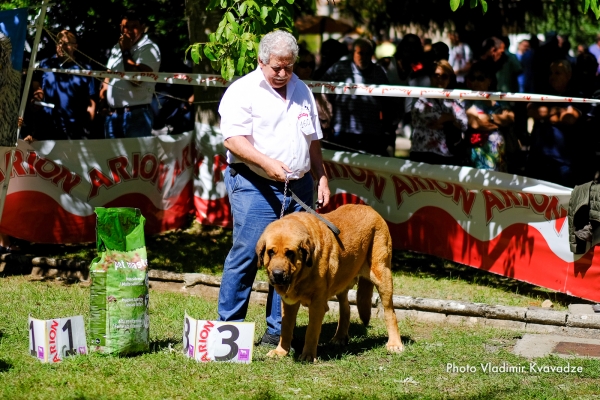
(159, 345)
(427, 266)
(360, 341)
(5, 366)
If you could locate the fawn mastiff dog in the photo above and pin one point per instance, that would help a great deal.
(307, 264)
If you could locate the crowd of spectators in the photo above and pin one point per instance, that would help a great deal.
(553, 142)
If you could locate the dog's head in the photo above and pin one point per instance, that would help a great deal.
(284, 249)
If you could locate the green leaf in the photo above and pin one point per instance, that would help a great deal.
(277, 17)
(264, 12)
(454, 4)
(290, 1)
(209, 54)
(195, 53)
(473, 3)
(230, 17)
(223, 3)
(274, 2)
(252, 3)
(212, 4)
(484, 6)
(240, 65)
(243, 49)
(242, 8)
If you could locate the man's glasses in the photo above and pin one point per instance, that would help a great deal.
(306, 64)
(287, 68)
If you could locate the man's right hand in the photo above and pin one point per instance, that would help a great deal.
(275, 169)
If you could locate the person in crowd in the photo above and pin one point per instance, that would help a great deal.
(331, 52)
(547, 53)
(413, 71)
(491, 51)
(507, 77)
(527, 65)
(361, 123)
(584, 80)
(594, 49)
(561, 148)
(522, 51)
(305, 67)
(564, 45)
(438, 124)
(63, 105)
(460, 57)
(125, 103)
(263, 154)
(172, 106)
(486, 118)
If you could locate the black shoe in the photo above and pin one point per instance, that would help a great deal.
(268, 340)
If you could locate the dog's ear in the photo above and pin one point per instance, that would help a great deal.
(260, 251)
(307, 251)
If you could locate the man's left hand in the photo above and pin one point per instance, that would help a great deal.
(323, 192)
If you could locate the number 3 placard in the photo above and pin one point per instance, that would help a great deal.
(54, 339)
(217, 340)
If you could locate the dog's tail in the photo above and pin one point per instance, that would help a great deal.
(364, 293)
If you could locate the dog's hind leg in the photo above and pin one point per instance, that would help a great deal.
(288, 322)
(341, 334)
(364, 294)
(382, 279)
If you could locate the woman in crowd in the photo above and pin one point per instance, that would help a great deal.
(489, 122)
(438, 123)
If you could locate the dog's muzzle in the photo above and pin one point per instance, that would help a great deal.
(278, 277)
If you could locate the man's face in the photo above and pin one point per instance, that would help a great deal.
(362, 57)
(523, 47)
(134, 29)
(499, 51)
(559, 77)
(65, 48)
(278, 71)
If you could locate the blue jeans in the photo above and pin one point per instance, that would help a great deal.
(130, 124)
(255, 202)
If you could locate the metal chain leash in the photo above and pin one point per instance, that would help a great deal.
(287, 179)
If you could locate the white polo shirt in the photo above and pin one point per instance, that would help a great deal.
(280, 129)
(122, 93)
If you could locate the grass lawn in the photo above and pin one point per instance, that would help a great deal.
(204, 248)
(363, 370)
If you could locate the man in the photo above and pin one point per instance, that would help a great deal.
(562, 148)
(127, 103)
(460, 57)
(361, 123)
(68, 103)
(271, 130)
(594, 49)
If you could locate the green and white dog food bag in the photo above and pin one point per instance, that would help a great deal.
(119, 322)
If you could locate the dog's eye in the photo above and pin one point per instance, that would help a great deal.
(270, 253)
(290, 254)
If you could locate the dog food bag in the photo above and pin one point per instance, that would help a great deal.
(119, 322)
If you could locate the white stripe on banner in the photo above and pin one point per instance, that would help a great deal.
(328, 87)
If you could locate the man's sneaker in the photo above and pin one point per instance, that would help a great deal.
(268, 340)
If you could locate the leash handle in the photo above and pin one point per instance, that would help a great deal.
(329, 224)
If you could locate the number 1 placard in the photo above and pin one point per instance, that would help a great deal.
(54, 339)
(217, 340)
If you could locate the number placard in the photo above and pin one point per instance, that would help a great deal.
(53, 340)
(217, 340)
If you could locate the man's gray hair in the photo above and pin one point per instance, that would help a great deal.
(277, 43)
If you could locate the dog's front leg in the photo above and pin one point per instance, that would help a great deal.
(316, 312)
(288, 321)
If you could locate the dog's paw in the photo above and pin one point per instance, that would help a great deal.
(340, 341)
(308, 357)
(278, 352)
(395, 347)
